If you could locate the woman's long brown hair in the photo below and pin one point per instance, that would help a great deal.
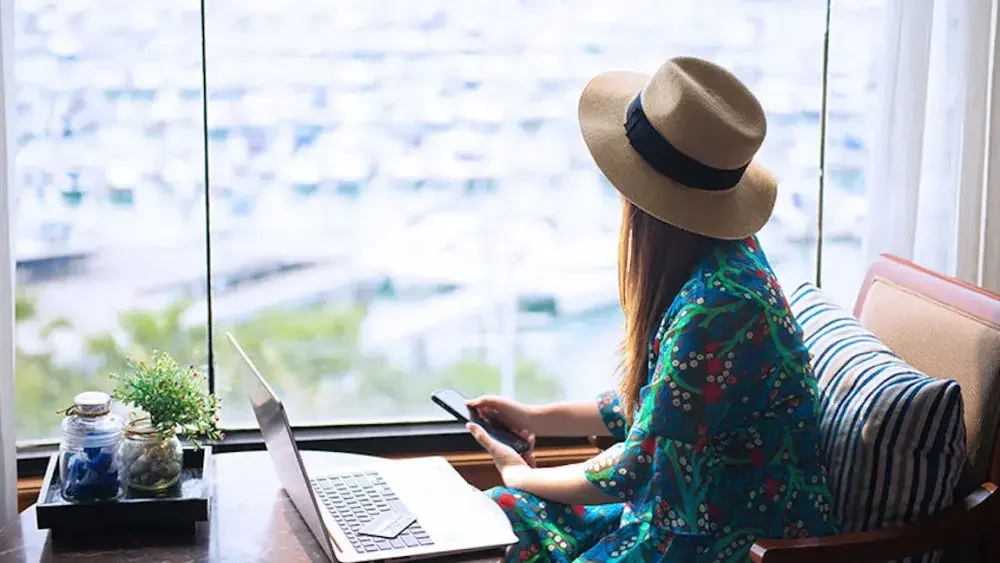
(654, 261)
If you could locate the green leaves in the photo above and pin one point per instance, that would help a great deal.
(25, 308)
(312, 355)
(175, 398)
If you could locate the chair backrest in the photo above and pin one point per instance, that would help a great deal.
(946, 329)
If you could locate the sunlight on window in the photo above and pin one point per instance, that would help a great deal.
(399, 197)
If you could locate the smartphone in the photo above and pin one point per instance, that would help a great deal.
(454, 402)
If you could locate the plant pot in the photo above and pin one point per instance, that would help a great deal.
(151, 460)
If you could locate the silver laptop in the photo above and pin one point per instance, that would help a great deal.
(372, 509)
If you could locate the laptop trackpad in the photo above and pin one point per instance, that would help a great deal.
(388, 524)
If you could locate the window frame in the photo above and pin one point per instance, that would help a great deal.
(381, 440)
(378, 439)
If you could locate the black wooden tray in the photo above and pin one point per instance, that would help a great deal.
(176, 510)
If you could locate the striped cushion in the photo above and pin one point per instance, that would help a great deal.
(893, 438)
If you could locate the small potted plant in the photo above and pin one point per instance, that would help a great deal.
(174, 402)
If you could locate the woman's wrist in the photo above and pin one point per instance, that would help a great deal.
(516, 476)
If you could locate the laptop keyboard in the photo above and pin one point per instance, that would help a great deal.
(355, 499)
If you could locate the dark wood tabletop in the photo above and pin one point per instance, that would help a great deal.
(251, 520)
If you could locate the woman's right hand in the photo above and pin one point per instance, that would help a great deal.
(511, 413)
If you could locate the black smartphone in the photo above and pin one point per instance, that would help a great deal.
(454, 402)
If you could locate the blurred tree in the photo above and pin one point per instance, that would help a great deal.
(312, 356)
(140, 332)
(24, 307)
(41, 384)
(302, 352)
(313, 359)
(474, 376)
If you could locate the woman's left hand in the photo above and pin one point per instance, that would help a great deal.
(509, 463)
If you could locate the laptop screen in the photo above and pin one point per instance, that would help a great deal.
(281, 446)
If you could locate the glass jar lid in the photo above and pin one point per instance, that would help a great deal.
(92, 403)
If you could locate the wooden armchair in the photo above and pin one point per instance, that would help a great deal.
(944, 328)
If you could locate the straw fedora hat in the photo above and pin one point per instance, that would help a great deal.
(680, 145)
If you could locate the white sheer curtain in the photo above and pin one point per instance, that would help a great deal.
(8, 455)
(934, 179)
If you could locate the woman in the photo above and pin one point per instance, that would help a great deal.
(716, 410)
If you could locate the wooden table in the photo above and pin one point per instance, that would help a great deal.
(251, 520)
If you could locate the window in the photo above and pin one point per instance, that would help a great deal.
(856, 28)
(398, 197)
(110, 241)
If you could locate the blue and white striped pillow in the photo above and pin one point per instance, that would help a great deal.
(893, 438)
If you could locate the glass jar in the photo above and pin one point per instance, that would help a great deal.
(89, 468)
(152, 461)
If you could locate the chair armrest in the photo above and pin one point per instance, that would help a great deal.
(960, 523)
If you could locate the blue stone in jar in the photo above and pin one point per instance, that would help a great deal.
(88, 463)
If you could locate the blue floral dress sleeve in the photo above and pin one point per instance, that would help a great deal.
(610, 407)
(682, 403)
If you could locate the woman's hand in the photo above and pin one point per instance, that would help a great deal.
(566, 484)
(512, 467)
(515, 415)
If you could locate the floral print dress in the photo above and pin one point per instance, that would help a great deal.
(722, 449)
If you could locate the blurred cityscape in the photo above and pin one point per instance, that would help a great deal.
(398, 197)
